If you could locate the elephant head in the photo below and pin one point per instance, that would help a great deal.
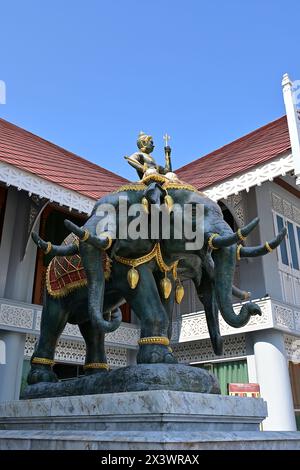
(225, 251)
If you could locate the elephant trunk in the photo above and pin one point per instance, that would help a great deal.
(224, 260)
(92, 262)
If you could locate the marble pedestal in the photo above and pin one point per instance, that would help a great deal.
(147, 420)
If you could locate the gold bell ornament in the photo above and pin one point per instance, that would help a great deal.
(133, 277)
(169, 202)
(179, 293)
(145, 205)
(166, 286)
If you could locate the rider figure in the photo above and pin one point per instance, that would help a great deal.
(144, 163)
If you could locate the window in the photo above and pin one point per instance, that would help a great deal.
(293, 247)
(283, 246)
(290, 246)
(288, 254)
(298, 233)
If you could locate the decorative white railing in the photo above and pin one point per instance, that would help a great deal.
(275, 314)
(26, 318)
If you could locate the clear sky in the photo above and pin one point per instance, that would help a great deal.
(89, 75)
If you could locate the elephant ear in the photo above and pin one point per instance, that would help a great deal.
(155, 194)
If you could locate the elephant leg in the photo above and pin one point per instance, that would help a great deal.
(54, 319)
(147, 305)
(92, 262)
(95, 359)
(168, 303)
(207, 296)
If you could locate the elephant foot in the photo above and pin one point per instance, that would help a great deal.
(41, 373)
(155, 354)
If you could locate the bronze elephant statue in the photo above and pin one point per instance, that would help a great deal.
(145, 272)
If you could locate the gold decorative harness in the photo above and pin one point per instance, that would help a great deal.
(154, 253)
(165, 182)
(166, 285)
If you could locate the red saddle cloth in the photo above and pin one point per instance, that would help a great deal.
(66, 273)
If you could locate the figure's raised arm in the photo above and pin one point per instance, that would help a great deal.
(135, 161)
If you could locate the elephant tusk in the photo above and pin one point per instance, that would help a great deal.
(81, 233)
(216, 241)
(103, 242)
(240, 294)
(264, 249)
(55, 250)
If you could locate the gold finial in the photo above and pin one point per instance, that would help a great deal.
(166, 138)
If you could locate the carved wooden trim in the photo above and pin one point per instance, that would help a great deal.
(254, 177)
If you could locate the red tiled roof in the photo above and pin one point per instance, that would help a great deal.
(239, 156)
(33, 154)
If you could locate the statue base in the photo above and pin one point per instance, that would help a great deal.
(146, 420)
(130, 379)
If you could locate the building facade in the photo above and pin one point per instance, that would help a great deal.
(257, 175)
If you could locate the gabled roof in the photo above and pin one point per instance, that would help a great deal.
(239, 156)
(35, 155)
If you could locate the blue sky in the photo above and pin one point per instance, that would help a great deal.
(90, 75)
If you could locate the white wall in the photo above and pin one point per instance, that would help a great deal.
(17, 275)
(251, 269)
(267, 232)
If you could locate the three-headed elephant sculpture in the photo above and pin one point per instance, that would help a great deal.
(94, 272)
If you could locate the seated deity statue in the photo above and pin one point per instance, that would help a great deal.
(145, 164)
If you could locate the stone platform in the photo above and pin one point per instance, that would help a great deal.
(148, 441)
(155, 410)
(130, 379)
(145, 420)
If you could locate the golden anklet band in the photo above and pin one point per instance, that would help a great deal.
(96, 365)
(154, 340)
(43, 361)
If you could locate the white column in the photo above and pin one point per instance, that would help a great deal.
(251, 366)
(11, 371)
(293, 122)
(273, 378)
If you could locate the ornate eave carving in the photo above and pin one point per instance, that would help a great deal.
(257, 176)
(33, 184)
